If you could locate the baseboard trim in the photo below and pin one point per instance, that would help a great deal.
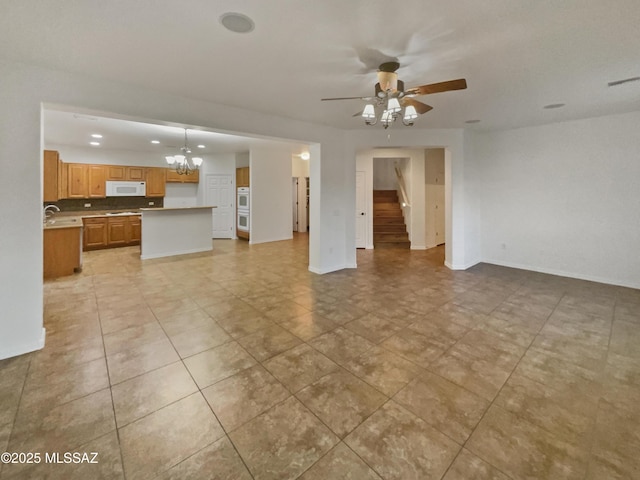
(561, 273)
(418, 247)
(269, 240)
(322, 271)
(173, 254)
(463, 266)
(14, 351)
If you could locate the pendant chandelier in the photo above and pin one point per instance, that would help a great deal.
(184, 163)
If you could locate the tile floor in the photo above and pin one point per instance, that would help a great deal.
(240, 364)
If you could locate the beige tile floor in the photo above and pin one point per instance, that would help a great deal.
(241, 364)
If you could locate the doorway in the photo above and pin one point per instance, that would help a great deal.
(434, 173)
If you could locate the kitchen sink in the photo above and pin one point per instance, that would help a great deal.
(62, 221)
(121, 213)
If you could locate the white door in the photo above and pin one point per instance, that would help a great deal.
(221, 194)
(294, 202)
(361, 210)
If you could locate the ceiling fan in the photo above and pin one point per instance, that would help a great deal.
(392, 96)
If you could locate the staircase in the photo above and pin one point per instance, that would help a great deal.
(389, 229)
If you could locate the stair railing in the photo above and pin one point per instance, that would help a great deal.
(404, 200)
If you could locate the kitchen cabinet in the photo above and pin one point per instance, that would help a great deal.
(122, 172)
(51, 162)
(175, 177)
(63, 180)
(117, 231)
(77, 181)
(61, 251)
(112, 231)
(95, 233)
(242, 177)
(135, 230)
(86, 181)
(97, 177)
(156, 179)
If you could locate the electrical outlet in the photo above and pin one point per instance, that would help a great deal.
(152, 203)
(87, 205)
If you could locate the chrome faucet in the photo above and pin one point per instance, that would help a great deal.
(47, 211)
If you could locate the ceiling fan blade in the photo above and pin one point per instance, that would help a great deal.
(459, 84)
(419, 106)
(357, 114)
(346, 98)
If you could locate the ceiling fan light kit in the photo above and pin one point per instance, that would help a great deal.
(391, 97)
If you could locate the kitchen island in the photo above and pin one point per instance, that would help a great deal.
(175, 231)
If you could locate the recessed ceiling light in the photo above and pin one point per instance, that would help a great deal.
(620, 82)
(155, 142)
(95, 144)
(554, 105)
(237, 22)
(201, 146)
(472, 121)
(96, 135)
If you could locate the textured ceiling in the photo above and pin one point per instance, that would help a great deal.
(517, 55)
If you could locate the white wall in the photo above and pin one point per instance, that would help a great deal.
(104, 156)
(270, 207)
(564, 198)
(299, 167)
(384, 174)
(23, 90)
(242, 159)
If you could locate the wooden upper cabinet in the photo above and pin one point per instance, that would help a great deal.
(156, 179)
(242, 177)
(135, 173)
(97, 177)
(122, 172)
(78, 186)
(86, 181)
(116, 172)
(63, 179)
(175, 177)
(50, 192)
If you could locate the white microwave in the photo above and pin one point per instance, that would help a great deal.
(126, 189)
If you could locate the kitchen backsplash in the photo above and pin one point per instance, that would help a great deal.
(111, 203)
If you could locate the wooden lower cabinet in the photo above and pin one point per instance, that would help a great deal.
(111, 232)
(117, 231)
(135, 222)
(61, 251)
(95, 233)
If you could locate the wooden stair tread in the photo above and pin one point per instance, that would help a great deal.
(389, 229)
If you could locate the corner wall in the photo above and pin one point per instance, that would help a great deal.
(564, 198)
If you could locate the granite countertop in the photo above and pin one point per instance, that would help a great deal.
(162, 209)
(74, 219)
(62, 222)
(97, 213)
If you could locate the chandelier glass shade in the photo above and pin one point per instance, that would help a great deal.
(389, 115)
(184, 163)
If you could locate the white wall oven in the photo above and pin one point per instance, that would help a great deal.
(243, 198)
(243, 210)
(243, 221)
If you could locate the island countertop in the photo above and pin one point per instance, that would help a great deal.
(164, 209)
